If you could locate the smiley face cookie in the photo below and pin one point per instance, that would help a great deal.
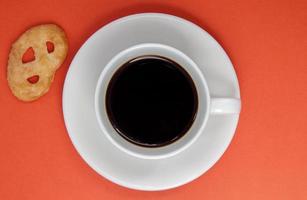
(30, 79)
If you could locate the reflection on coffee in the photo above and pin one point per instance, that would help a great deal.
(151, 101)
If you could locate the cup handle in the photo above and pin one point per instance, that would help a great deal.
(225, 106)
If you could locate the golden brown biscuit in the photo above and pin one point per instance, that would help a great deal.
(28, 81)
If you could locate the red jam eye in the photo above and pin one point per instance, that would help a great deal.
(50, 47)
(28, 56)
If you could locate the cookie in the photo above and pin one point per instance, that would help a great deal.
(29, 80)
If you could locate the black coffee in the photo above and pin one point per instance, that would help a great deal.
(151, 101)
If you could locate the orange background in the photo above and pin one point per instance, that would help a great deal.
(267, 159)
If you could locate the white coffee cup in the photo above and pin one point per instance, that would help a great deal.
(207, 105)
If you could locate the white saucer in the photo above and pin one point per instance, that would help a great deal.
(79, 90)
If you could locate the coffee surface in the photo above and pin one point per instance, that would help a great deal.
(151, 101)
